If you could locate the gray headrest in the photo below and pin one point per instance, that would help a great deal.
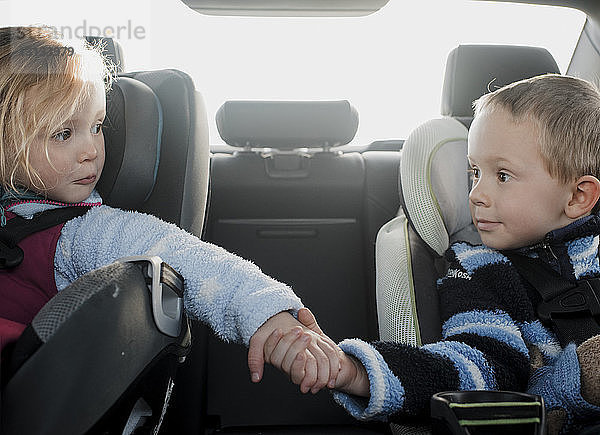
(471, 68)
(287, 124)
(132, 137)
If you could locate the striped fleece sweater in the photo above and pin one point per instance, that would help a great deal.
(491, 338)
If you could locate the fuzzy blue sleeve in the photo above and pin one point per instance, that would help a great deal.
(229, 293)
(387, 392)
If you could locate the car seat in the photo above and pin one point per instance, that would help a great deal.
(434, 186)
(95, 346)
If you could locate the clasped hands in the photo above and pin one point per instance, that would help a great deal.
(310, 358)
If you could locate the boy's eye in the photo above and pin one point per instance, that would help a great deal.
(503, 177)
(475, 172)
(62, 135)
(97, 128)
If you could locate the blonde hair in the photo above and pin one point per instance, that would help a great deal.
(43, 82)
(566, 112)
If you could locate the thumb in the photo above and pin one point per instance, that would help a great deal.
(307, 318)
(256, 359)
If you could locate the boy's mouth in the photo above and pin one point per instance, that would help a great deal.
(485, 225)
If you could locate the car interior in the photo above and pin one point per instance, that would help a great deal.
(357, 230)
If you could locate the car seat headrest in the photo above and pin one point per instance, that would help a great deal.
(287, 124)
(132, 136)
(473, 70)
(434, 183)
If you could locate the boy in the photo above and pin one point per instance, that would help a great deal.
(534, 150)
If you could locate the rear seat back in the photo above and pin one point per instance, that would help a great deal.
(287, 200)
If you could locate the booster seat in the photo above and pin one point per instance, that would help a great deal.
(96, 347)
(434, 186)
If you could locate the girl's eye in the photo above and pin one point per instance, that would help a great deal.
(503, 177)
(62, 135)
(97, 128)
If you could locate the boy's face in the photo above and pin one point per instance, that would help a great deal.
(514, 201)
(76, 150)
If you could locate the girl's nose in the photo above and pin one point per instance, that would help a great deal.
(89, 152)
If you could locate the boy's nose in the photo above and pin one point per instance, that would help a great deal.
(477, 196)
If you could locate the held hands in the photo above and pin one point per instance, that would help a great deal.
(320, 355)
(291, 353)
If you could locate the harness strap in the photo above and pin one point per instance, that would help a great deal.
(18, 228)
(573, 307)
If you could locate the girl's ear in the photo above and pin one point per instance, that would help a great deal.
(586, 191)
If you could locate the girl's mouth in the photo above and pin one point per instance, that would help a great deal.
(86, 180)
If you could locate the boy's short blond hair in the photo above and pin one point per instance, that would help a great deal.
(44, 80)
(566, 111)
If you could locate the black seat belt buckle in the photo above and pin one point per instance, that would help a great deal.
(10, 256)
(485, 412)
(585, 298)
(166, 289)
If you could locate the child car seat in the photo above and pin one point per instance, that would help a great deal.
(100, 356)
(434, 186)
(157, 162)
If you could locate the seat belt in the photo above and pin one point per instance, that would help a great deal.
(18, 228)
(572, 307)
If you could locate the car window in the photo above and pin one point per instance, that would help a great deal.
(389, 65)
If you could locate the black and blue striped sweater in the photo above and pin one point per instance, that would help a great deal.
(492, 339)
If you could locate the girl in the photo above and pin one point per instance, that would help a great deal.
(52, 106)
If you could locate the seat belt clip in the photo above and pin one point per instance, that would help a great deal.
(574, 302)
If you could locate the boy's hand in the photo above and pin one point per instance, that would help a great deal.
(321, 354)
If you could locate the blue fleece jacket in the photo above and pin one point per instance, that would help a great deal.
(229, 293)
(492, 338)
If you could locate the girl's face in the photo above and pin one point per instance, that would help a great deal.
(76, 153)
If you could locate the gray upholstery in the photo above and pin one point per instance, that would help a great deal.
(157, 170)
(473, 70)
(299, 216)
(287, 124)
(132, 133)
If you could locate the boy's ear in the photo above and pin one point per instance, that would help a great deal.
(586, 191)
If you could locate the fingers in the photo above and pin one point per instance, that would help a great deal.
(278, 346)
(297, 371)
(288, 353)
(307, 318)
(310, 373)
(304, 352)
(302, 356)
(256, 360)
(332, 354)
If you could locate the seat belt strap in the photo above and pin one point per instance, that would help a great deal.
(573, 307)
(18, 228)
